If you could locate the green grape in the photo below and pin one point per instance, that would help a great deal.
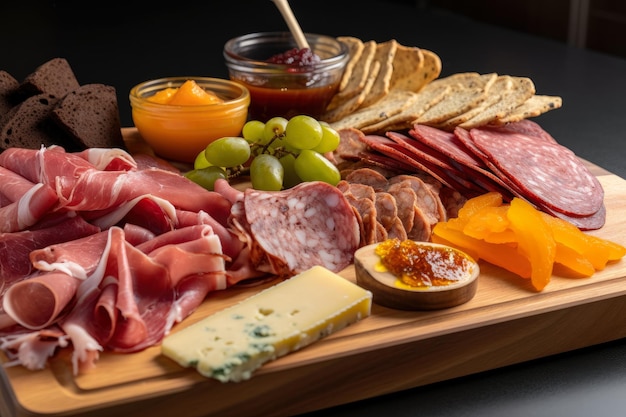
(206, 177)
(200, 161)
(330, 139)
(290, 177)
(313, 166)
(227, 152)
(274, 127)
(253, 131)
(303, 132)
(266, 173)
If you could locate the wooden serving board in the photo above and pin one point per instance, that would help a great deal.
(505, 323)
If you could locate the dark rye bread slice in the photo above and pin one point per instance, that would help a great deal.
(28, 125)
(90, 116)
(53, 77)
(8, 87)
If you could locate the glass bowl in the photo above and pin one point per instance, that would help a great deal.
(180, 132)
(280, 89)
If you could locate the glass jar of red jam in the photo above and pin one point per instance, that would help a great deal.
(281, 89)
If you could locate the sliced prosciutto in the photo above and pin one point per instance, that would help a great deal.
(100, 190)
(27, 211)
(15, 248)
(126, 249)
(43, 165)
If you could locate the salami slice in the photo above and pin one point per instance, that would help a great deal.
(547, 174)
(403, 154)
(307, 225)
(424, 152)
(593, 222)
(527, 127)
(383, 161)
(446, 143)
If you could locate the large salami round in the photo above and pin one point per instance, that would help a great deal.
(548, 174)
(307, 225)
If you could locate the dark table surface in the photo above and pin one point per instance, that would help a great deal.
(122, 46)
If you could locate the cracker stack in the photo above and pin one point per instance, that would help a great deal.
(389, 86)
(373, 72)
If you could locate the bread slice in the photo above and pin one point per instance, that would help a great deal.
(54, 77)
(90, 116)
(8, 87)
(27, 125)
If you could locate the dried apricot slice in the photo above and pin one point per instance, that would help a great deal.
(491, 224)
(472, 206)
(597, 250)
(534, 240)
(502, 255)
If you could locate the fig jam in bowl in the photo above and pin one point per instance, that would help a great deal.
(281, 89)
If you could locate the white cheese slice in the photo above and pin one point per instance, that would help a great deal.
(232, 343)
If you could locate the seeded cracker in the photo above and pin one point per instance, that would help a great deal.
(495, 90)
(466, 79)
(523, 89)
(424, 100)
(393, 103)
(534, 106)
(407, 62)
(385, 53)
(355, 49)
(353, 103)
(360, 75)
(460, 100)
(431, 68)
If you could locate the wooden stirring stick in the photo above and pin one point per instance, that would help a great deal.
(294, 26)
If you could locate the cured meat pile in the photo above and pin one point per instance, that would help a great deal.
(397, 206)
(519, 159)
(104, 251)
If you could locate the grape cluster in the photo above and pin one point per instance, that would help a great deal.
(277, 154)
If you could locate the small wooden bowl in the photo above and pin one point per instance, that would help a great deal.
(389, 291)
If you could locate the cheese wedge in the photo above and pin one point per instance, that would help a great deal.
(232, 343)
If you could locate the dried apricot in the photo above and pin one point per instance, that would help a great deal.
(502, 255)
(524, 240)
(534, 240)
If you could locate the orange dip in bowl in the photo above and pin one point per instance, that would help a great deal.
(179, 116)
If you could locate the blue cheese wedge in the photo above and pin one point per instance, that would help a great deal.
(232, 343)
